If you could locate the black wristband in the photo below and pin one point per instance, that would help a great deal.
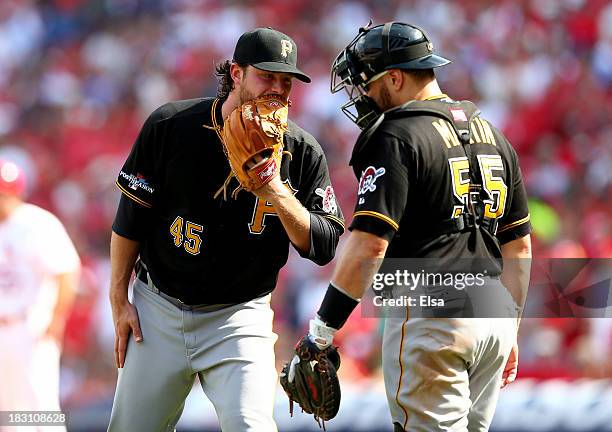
(336, 307)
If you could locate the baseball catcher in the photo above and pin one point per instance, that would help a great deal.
(253, 142)
(310, 379)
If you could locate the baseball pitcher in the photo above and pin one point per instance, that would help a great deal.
(213, 192)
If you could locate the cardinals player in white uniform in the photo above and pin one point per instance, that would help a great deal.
(39, 269)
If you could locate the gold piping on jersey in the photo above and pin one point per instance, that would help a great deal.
(380, 216)
(399, 384)
(213, 117)
(335, 219)
(217, 129)
(132, 197)
(514, 224)
(440, 96)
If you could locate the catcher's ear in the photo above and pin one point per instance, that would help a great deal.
(397, 78)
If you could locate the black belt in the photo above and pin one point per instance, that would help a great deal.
(143, 275)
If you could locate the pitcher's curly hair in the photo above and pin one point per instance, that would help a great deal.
(226, 84)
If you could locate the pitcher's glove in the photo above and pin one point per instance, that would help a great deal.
(253, 140)
(310, 379)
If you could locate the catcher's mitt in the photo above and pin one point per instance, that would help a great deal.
(310, 379)
(253, 140)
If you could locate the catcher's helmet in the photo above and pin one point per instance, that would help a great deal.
(393, 45)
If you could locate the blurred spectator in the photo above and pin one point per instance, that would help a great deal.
(39, 274)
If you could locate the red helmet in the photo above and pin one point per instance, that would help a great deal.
(12, 179)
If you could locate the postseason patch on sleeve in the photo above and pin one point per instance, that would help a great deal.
(136, 187)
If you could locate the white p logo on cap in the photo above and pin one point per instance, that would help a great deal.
(286, 47)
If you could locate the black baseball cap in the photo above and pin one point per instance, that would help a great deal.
(270, 50)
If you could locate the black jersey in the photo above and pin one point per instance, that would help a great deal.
(206, 250)
(414, 177)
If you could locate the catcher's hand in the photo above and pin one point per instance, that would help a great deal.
(253, 140)
(511, 368)
(310, 379)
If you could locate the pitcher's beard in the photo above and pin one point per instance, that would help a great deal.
(245, 95)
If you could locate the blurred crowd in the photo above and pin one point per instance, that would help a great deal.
(78, 78)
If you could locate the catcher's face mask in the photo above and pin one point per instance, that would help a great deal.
(353, 76)
(375, 50)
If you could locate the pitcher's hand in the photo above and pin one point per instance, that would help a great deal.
(125, 318)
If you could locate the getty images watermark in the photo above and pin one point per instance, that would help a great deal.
(20, 419)
(410, 283)
(448, 288)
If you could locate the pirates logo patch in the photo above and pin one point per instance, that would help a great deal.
(329, 199)
(367, 183)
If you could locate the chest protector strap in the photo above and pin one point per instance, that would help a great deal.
(460, 115)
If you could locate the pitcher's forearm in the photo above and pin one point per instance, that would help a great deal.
(123, 255)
